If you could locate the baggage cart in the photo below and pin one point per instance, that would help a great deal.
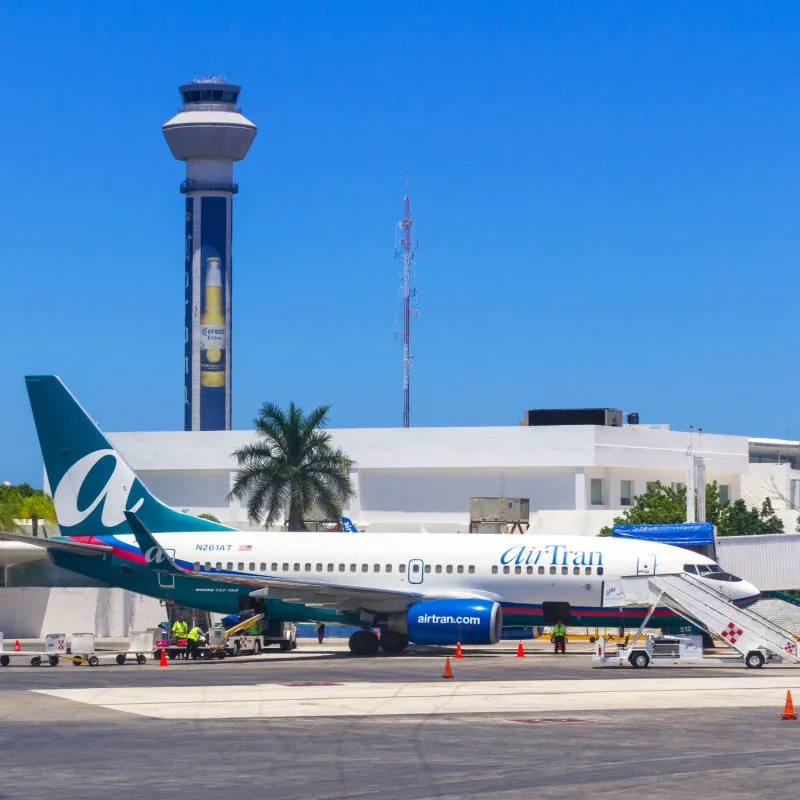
(54, 649)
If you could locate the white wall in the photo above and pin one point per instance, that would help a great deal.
(32, 612)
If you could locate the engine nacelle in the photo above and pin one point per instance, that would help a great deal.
(449, 621)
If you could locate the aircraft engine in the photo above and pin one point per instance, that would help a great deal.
(465, 620)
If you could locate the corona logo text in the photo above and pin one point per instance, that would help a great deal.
(112, 496)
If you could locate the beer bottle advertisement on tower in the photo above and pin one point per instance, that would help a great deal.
(213, 321)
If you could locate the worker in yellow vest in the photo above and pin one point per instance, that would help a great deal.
(560, 637)
(192, 638)
(179, 629)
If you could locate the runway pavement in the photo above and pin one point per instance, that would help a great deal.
(318, 723)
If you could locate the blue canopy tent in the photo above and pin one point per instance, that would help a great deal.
(696, 536)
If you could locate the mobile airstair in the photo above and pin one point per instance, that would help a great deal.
(755, 637)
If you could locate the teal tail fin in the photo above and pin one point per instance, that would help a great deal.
(92, 485)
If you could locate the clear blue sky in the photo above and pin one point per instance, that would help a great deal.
(606, 196)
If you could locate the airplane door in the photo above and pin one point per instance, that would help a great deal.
(166, 580)
(416, 570)
(646, 564)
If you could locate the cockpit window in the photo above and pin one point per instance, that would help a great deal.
(710, 572)
(690, 568)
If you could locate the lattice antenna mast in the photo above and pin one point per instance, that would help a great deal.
(408, 293)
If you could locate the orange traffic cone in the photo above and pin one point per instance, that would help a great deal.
(520, 651)
(458, 651)
(17, 648)
(788, 710)
(163, 662)
(448, 673)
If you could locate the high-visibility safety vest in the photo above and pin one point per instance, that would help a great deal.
(179, 629)
(559, 630)
(194, 634)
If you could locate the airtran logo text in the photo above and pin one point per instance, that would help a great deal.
(552, 555)
(447, 619)
(112, 495)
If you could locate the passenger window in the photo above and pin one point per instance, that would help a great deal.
(565, 570)
(460, 569)
(599, 570)
(365, 567)
(402, 568)
(219, 565)
(285, 567)
(541, 570)
(438, 569)
(529, 570)
(376, 568)
(319, 567)
(297, 568)
(240, 566)
(415, 568)
(506, 570)
(229, 565)
(471, 569)
(274, 566)
(588, 570)
(552, 570)
(196, 566)
(308, 567)
(341, 567)
(352, 568)
(208, 565)
(494, 570)
(427, 569)
(388, 567)
(518, 570)
(449, 569)
(576, 570)
(252, 566)
(330, 567)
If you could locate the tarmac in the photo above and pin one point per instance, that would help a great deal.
(320, 723)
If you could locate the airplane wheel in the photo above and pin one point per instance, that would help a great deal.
(754, 659)
(364, 643)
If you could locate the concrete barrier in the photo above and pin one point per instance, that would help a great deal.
(33, 611)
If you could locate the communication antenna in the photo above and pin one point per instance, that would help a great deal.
(408, 291)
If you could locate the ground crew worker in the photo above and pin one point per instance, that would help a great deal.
(192, 638)
(560, 637)
(180, 629)
(320, 631)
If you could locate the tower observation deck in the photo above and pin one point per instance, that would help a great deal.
(209, 133)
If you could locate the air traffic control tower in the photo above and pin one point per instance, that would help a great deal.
(209, 133)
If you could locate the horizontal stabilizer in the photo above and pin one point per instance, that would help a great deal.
(67, 545)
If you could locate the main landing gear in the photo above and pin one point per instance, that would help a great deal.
(366, 643)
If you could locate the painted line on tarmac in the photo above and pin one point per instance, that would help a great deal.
(278, 701)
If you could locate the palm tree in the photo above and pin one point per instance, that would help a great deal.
(35, 508)
(292, 464)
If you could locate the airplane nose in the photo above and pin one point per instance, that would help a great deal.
(746, 591)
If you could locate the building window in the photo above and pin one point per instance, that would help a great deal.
(724, 494)
(597, 491)
(678, 487)
(626, 493)
(794, 495)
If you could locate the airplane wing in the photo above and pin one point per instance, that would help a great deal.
(309, 593)
(79, 548)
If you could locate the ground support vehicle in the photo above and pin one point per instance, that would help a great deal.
(54, 649)
(240, 639)
(754, 637)
(82, 649)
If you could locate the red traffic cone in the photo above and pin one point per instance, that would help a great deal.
(520, 651)
(448, 672)
(163, 662)
(788, 709)
(17, 648)
(458, 651)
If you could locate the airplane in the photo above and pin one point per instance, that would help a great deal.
(426, 589)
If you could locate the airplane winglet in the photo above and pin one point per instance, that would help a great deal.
(154, 554)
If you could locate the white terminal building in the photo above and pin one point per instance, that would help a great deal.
(534, 477)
